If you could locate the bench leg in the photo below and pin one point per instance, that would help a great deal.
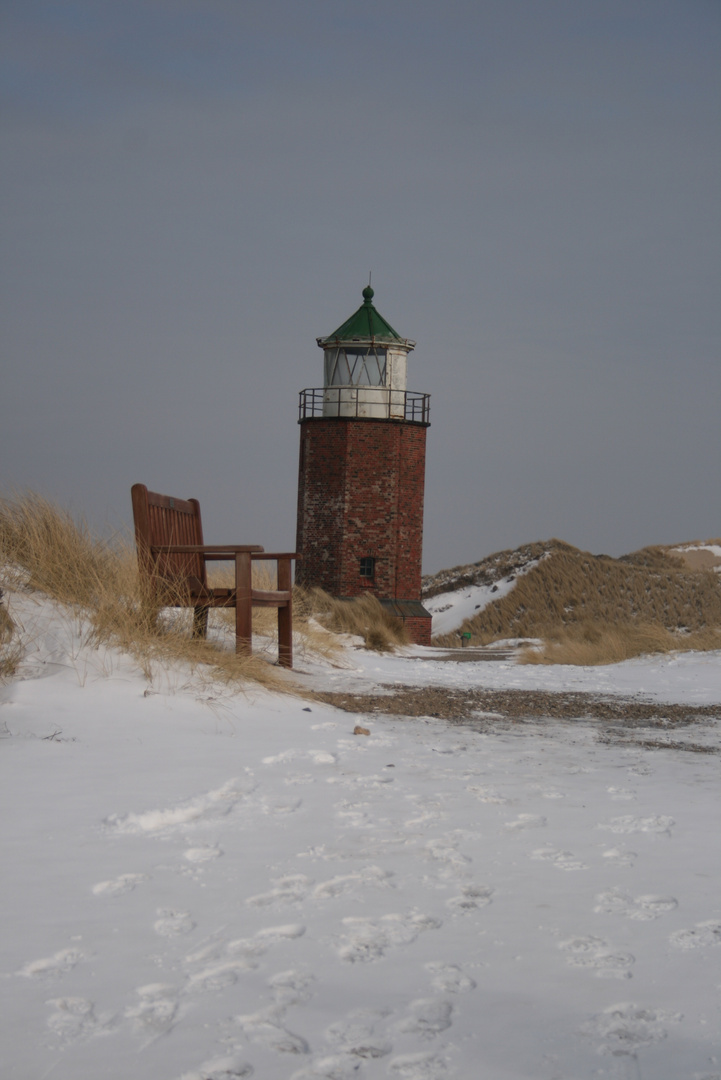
(243, 603)
(200, 622)
(285, 617)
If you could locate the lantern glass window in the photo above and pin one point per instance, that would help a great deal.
(349, 366)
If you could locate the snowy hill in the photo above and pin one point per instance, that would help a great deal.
(456, 595)
(563, 585)
(202, 884)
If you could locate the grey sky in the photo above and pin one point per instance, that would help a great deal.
(194, 190)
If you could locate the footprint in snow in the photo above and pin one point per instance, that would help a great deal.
(658, 824)
(595, 954)
(266, 1027)
(624, 1028)
(202, 854)
(218, 965)
(366, 939)
(171, 922)
(640, 769)
(424, 818)
(334, 1067)
(488, 795)
(279, 808)
(527, 821)
(74, 1020)
(230, 1067)
(353, 883)
(322, 757)
(619, 857)
(358, 1034)
(201, 808)
(562, 860)
(156, 1011)
(472, 898)
(354, 817)
(641, 908)
(428, 1018)
(418, 1067)
(52, 967)
(291, 987)
(286, 890)
(279, 759)
(119, 885)
(217, 976)
(273, 935)
(701, 936)
(445, 850)
(263, 940)
(619, 794)
(449, 978)
(296, 779)
(375, 780)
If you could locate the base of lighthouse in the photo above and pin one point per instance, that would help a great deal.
(360, 513)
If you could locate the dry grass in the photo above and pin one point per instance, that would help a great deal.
(42, 548)
(589, 644)
(6, 624)
(309, 636)
(592, 609)
(363, 617)
(10, 648)
(59, 556)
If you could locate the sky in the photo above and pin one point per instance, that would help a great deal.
(193, 192)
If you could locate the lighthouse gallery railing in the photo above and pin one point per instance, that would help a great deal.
(346, 401)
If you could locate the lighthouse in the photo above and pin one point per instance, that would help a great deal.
(362, 471)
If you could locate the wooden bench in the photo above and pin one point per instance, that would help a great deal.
(173, 557)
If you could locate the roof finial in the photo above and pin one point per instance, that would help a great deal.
(368, 293)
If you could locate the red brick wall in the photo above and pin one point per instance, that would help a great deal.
(360, 493)
(419, 629)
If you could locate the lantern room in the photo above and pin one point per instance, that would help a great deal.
(364, 366)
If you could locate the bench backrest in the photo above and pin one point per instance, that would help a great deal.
(161, 520)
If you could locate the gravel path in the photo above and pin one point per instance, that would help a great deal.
(620, 718)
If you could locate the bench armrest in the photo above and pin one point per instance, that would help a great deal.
(276, 555)
(213, 550)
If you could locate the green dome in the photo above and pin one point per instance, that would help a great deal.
(365, 324)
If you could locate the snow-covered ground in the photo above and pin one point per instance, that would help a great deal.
(206, 885)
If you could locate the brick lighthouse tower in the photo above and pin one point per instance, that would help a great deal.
(362, 471)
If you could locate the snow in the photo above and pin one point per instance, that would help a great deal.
(715, 549)
(200, 884)
(679, 678)
(451, 609)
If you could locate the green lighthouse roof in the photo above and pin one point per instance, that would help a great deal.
(366, 324)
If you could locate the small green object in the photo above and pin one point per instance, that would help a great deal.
(466, 636)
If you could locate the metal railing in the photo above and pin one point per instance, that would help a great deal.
(364, 402)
